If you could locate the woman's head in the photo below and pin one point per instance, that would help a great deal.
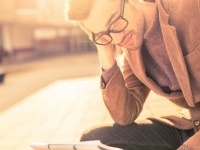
(98, 16)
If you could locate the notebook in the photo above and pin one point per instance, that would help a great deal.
(87, 145)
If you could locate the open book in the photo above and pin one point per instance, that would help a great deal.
(86, 145)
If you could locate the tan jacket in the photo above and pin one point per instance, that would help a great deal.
(125, 93)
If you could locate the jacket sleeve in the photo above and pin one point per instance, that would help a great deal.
(193, 143)
(124, 95)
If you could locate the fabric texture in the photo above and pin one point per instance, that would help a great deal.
(145, 135)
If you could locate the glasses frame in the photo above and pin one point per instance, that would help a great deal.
(95, 38)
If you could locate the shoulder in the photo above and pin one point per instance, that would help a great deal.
(180, 10)
(180, 5)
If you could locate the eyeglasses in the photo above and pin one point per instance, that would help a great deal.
(118, 25)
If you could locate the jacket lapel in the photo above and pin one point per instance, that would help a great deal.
(135, 60)
(175, 54)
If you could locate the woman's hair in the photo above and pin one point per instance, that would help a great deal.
(78, 9)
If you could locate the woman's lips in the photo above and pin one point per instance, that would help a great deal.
(126, 41)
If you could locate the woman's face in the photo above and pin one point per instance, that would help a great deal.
(104, 12)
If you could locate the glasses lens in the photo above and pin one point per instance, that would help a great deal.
(119, 25)
(103, 39)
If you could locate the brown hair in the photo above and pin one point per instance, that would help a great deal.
(78, 9)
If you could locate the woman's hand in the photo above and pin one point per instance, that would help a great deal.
(106, 52)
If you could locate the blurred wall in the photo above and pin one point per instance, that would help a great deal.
(38, 26)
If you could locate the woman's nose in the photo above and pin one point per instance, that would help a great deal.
(117, 37)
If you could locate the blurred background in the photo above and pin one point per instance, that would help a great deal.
(49, 83)
(37, 28)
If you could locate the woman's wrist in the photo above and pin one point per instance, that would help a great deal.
(106, 56)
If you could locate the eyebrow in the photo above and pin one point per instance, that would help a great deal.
(109, 21)
(106, 24)
(111, 18)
